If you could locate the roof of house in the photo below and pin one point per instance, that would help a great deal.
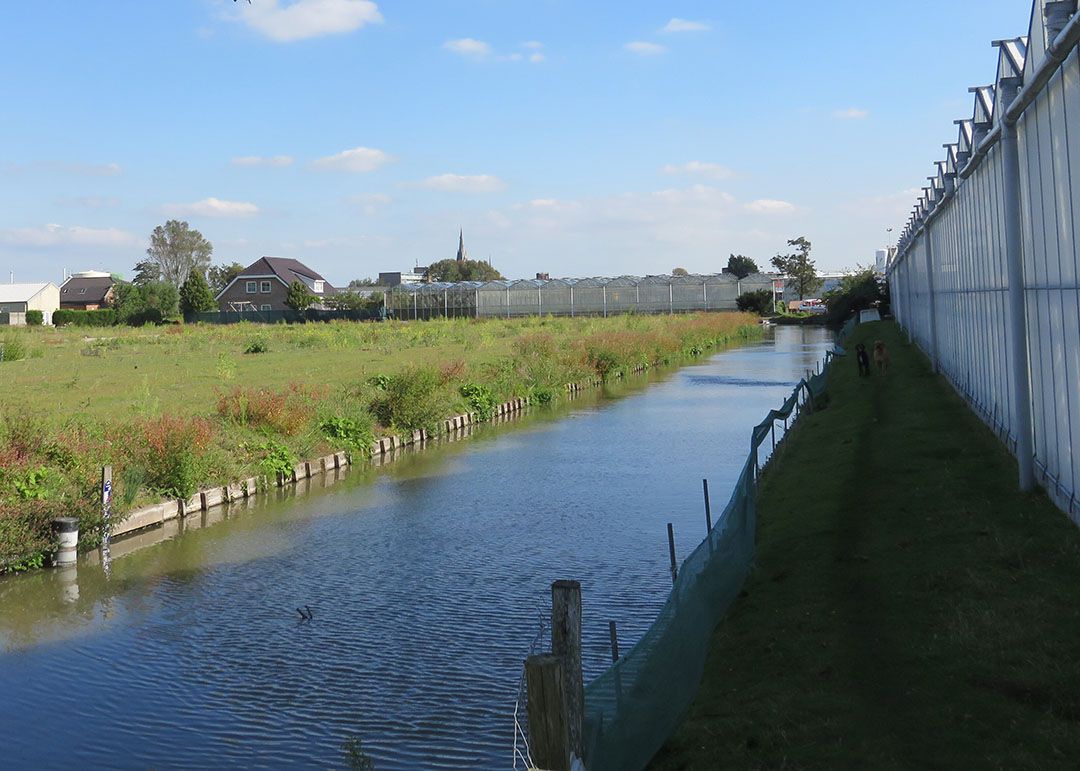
(284, 268)
(20, 293)
(82, 289)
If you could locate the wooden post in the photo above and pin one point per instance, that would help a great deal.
(566, 644)
(614, 633)
(549, 730)
(708, 509)
(671, 551)
(772, 429)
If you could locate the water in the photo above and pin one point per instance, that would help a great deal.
(426, 580)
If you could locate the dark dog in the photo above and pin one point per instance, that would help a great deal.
(862, 358)
(881, 357)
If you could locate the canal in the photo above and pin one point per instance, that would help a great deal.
(425, 578)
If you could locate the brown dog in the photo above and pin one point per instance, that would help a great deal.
(881, 357)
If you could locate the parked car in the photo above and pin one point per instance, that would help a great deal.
(812, 306)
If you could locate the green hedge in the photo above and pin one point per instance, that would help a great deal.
(35, 318)
(105, 317)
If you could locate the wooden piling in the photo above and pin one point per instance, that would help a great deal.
(566, 644)
(671, 552)
(614, 634)
(708, 508)
(549, 729)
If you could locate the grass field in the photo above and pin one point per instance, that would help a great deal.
(175, 407)
(908, 609)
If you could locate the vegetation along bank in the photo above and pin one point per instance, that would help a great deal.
(173, 408)
(909, 608)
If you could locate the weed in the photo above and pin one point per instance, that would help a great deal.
(277, 459)
(257, 345)
(479, 398)
(355, 434)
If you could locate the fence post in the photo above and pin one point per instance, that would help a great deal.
(571, 301)
(549, 730)
(566, 644)
(671, 553)
(928, 234)
(708, 508)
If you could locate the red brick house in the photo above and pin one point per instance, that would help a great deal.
(264, 285)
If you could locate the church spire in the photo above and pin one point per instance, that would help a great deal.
(462, 255)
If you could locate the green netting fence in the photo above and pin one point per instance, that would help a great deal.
(633, 707)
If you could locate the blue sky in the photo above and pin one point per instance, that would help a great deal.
(573, 138)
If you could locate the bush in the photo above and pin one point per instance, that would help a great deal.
(257, 345)
(105, 317)
(410, 400)
(355, 434)
(856, 292)
(35, 318)
(172, 450)
(281, 412)
(25, 536)
(760, 301)
(277, 459)
(480, 399)
(12, 348)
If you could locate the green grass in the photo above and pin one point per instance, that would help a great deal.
(175, 407)
(909, 607)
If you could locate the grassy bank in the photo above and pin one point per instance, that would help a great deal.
(171, 408)
(909, 608)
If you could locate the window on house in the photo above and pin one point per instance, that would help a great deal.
(252, 287)
(264, 307)
(318, 287)
(265, 288)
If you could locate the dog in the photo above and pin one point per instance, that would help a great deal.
(862, 358)
(881, 357)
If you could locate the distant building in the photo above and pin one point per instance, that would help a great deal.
(264, 285)
(17, 299)
(462, 255)
(415, 276)
(89, 290)
(543, 277)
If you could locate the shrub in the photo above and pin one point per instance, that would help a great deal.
(12, 348)
(410, 400)
(480, 399)
(542, 394)
(257, 345)
(759, 301)
(172, 450)
(35, 318)
(25, 536)
(282, 412)
(354, 433)
(277, 459)
(105, 317)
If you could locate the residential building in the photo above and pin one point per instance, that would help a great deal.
(17, 299)
(89, 290)
(264, 286)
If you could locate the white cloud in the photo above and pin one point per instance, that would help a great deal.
(213, 207)
(642, 48)
(851, 113)
(683, 25)
(533, 45)
(463, 183)
(467, 46)
(60, 235)
(258, 160)
(700, 168)
(63, 167)
(369, 203)
(536, 58)
(359, 160)
(303, 19)
(769, 206)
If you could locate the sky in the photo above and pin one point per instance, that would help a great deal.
(566, 137)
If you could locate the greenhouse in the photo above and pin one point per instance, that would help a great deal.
(572, 296)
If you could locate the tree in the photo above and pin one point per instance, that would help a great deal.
(354, 301)
(146, 272)
(466, 270)
(741, 267)
(855, 292)
(798, 267)
(299, 297)
(759, 301)
(680, 272)
(360, 283)
(219, 276)
(195, 295)
(147, 304)
(177, 250)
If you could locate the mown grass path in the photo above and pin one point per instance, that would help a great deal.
(908, 609)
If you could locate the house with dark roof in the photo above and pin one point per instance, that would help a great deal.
(264, 285)
(87, 291)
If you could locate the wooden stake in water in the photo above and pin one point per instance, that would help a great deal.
(708, 508)
(671, 552)
(549, 734)
(614, 633)
(566, 644)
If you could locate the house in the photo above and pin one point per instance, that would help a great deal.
(17, 299)
(264, 285)
(89, 290)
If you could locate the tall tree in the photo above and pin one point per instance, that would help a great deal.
(195, 295)
(178, 250)
(798, 267)
(359, 283)
(219, 276)
(299, 297)
(146, 272)
(464, 270)
(740, 266)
